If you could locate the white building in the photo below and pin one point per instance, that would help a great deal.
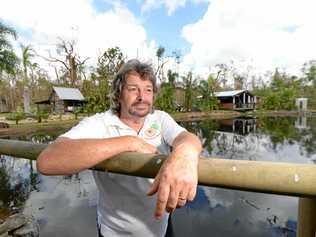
(301, 104)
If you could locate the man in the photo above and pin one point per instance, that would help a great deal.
(130, 125)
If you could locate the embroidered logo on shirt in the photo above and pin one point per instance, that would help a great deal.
(152, 132)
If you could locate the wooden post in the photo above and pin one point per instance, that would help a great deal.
(306, 217)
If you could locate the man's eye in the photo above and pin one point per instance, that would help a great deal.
(131, 88)
(149, 90)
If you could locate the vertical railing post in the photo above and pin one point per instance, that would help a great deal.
(306, 217)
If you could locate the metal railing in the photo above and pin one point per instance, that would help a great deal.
(257, 176)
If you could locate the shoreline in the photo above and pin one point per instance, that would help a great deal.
(28, 127)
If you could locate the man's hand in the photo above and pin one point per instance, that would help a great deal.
(176, 181)
(139, 145)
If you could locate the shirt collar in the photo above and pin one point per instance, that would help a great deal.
(113, 120)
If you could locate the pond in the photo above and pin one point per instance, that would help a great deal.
(62, 204)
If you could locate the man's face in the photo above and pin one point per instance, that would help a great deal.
(136, 97)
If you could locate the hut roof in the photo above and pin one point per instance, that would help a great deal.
(229, 93)
(68, 93)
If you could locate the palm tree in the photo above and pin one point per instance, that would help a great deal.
(8, 59)
(27, 55)
(160, 55)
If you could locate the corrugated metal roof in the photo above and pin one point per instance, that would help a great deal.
(68, 93)
(228, 93)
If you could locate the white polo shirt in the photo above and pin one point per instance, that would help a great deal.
(123, 207)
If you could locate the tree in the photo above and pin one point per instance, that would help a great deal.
(166, 96)
(8, 60)
(309, 71)
(98, 88)
(27, 55)
(189, 85)
(282, 92)
(161, 62)
(72, 64)
(222, 74)
(207, 90)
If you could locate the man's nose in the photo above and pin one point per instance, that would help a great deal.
(140, 95)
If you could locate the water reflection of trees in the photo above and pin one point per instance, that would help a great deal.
(271, 132)
(285, 131)
(18, 177)
(15, 183)
(206, 130)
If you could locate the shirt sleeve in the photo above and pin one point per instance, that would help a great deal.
(170, 129)
(91, 127)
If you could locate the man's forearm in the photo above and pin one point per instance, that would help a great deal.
(69, 156)
(187, 144)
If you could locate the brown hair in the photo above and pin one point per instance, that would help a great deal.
(145, 71)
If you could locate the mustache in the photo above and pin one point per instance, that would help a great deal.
(141, 103)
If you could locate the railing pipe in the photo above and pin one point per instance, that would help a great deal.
(256, 176)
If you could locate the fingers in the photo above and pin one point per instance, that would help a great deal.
(154, 187)
(145, 147)
(177, 197)
(192, 193)
(182, 199)
(162, 198)
(172, 200)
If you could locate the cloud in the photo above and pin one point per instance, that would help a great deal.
(170, 5)
(267, 34)
(43, 22)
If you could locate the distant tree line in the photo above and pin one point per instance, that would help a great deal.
(22, 81)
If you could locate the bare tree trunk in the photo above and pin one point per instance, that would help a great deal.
(26, 100)
(73, 70)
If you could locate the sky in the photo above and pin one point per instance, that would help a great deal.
(253, 35)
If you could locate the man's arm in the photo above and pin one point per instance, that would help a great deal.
(177, 179)
(68, 156)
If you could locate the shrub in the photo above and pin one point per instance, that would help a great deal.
(16, 116)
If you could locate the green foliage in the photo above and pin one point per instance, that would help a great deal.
(97, 89)
(309, 71)
(77, 111)
(8, 60)
(282, 93)
(160, 52)
(165, 98)
(279, 100)
(280, 130)
(17, 116)
(95, 104)
(190, 89)
(208, 101)
(40, 115)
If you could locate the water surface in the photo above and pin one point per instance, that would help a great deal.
(65, 206)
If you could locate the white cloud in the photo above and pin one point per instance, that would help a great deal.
(267, 34)
(44, 21)
(170, 5)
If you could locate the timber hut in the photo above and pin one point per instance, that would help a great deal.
(61, 100)
(3, 105)
(240, 100)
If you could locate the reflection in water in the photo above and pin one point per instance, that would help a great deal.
(61, 204)
(221, 212)
(17, 180)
